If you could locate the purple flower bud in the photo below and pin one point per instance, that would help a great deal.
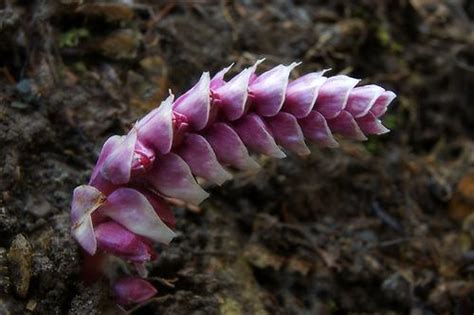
(268, 89)
(381, 104)
(231, 97)
(333, 95)
(172, 177)
(345, 125)
(115, 239)
(316, 129)
(288, 133)
(117, 165)
(155, 130)
(257, 136)
(371, 125)
(229, 148)
(202, 160)
(131, 290)
(302, 93)
(132, 209)
(195, 104)
(362, 99)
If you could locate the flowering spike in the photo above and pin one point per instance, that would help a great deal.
(257, 136)
(209, 128)
(301, 94)
(333, 95)
(172, 177)
(229, 148)
(132, 209)
(200, 157)
(268, 89)
(195, 104)
(288, 133)
(155, 130)
(131, 290)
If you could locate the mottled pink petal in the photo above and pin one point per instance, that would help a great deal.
(370, 125)
(232, 96)
(229, 148)
(172, 177)
(333, 95)
(195, 104)
(315, 128)
(131, 290)
(156, 129)
(381, 104)
(218, 79)
(301, 94)
(268, 90)
(86, 199)
(288, 133)
(198, 154)
(257, 136)
(115, 239)
(132, 209)
(117, 166)
(345, 125)
(362, 99)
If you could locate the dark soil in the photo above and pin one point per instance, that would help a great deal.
(385, 226)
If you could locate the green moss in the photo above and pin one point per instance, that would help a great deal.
(72, 37)
(386, 39)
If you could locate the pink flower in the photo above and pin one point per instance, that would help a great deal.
(209, 132)
(130, 290)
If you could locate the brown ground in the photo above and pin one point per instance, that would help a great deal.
(385, 226)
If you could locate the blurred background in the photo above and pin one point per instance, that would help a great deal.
(385, 226)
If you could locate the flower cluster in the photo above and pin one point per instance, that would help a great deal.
(207, 133)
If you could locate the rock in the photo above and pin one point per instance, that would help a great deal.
(4, 275)
(397, 288)
(20, 264)
(38, 205)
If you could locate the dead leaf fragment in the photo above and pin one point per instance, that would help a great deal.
(261, 257)
(110, 11)
(462, 203)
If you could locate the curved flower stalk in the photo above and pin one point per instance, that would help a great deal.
(209, 132)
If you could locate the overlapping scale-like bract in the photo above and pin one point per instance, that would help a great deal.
(209, 132)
